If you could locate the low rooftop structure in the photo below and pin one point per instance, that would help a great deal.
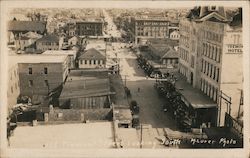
(192, 96)
(23, 26)
(92, 54)
(61, 52)
(74, 136)
(81, 74)
(49, 38)
(35, 58)
(85, 88)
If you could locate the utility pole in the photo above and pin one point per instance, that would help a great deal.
(125, 81)
(141, 138)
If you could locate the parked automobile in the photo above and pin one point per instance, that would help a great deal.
(134, 107)
(135, 121)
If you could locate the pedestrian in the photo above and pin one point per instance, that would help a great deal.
(139, 89)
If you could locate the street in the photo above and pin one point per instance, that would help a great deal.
(154, 121)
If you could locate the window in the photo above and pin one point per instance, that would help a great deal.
(45, 70)
(211, 70)
(214, 72)
(99, 62)
(85, 61)
(218, 75)
(219, 52)
(30, 83)
(90, 62)
(46, 83)
(208, 67)
(30, 70)
(94, 62)
(80, 61)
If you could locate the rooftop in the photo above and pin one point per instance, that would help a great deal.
(32, 35)
(49, 38)
(60, 52)
(92, 53)
(216, 13)
(192, 95)
(80, 74)
(171, 53)
(34, 58)
(85, 88)
(163, 42)
(74, 136)
(27, 26)
(123, 114)
(148, 18)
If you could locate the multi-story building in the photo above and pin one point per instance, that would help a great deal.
(36, 74)
(146, 28)
(88, 27)
(211, 55)
(48, 42)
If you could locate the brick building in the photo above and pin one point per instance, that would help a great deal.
(210, 43)
(146, 28)
(87, 27)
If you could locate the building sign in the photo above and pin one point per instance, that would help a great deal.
(234, 48)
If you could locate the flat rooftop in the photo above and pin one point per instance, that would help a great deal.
(68, 136)
(35, 58)
(85, 88)
(194, 96)
(146, 18)
(60, 52)
(81, 74)
(123, 114)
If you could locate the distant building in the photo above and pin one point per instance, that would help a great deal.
(174, 35)
(210, 43)
(87, 27)
(17, 28)
(164, 51)
(92, 58)
(22, 43)
(48, 42)
(171, 59)
(145, 28)
(38, 74)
